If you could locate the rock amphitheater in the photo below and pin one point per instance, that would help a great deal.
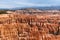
(29, 27)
